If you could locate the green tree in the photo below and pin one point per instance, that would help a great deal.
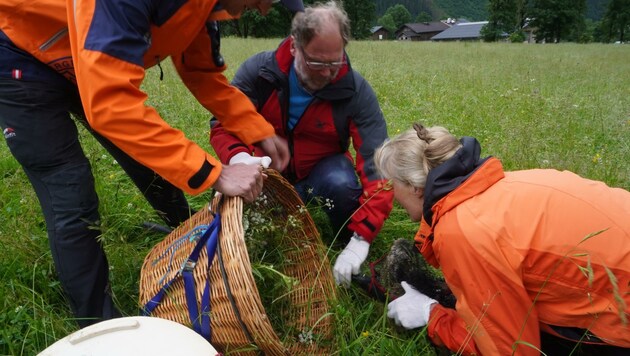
(616, 21)
(362, 14)
(424, 17)
(505, 16)
(399, 14)
(387, 21)
(557, 20)
(277, 23)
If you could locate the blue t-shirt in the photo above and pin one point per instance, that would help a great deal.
(299, 99)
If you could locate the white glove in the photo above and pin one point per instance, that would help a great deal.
(246, 158)
(350, 259)
(412, 309)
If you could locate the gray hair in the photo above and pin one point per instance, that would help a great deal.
(307, 24)
(410, 156)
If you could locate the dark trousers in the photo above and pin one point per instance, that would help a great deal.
(555, 346)
(43, 137)
(335, 182)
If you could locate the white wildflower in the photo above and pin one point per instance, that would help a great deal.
(329, 204)
(306, 337)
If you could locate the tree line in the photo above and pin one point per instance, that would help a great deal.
(556, 21)
(553, 20)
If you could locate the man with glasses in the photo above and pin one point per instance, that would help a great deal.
(314, 99)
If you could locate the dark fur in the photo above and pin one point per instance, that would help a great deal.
(405, 263)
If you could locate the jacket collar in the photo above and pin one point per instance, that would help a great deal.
(462, 177)
(448, 176)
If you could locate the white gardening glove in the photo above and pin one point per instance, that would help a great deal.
(350, 259)
(412, 309)
(246, 158)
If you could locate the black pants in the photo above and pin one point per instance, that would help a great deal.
(555, 346)
(42, 136)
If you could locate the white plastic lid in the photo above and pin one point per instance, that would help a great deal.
(137, 335)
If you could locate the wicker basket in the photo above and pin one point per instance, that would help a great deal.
(238, 319)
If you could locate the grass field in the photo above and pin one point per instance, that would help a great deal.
(561, 106)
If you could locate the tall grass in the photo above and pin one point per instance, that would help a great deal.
(562, 106)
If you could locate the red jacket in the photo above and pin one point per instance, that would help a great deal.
(346, 109)
(515, 250)
(105, 46)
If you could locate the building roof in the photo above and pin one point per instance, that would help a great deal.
(424, 27)
(466, 30)
(377, 28)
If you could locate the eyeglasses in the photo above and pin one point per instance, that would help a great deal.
(317, 65)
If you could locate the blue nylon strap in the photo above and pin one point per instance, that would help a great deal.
(201, 323)
(206, 328)
(155, 301)
(191, 300)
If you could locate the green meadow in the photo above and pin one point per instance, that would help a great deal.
(564, 106)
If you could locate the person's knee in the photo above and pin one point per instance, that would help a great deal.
(73, 203)
(337, 173)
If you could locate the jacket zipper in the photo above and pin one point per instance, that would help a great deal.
(54, 39)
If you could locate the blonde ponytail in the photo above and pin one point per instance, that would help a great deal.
(410, 156)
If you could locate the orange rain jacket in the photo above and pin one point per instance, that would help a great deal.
(105, 47)
(516, 249)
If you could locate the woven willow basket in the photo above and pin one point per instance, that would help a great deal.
(238, 319)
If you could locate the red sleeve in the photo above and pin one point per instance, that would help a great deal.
(225, 144)
(377, 199)
(375, 204)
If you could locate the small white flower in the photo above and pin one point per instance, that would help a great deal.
(306, 337)
(293, 221)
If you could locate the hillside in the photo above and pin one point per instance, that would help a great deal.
(473, 10)
(595, 9)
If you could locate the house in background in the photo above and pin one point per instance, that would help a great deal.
(467, 31)
(529, 31)
(420, 31)
(379, 33)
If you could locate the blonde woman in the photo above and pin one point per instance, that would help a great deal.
(537, 259)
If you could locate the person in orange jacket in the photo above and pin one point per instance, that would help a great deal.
(537, 259)
(89, 58)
